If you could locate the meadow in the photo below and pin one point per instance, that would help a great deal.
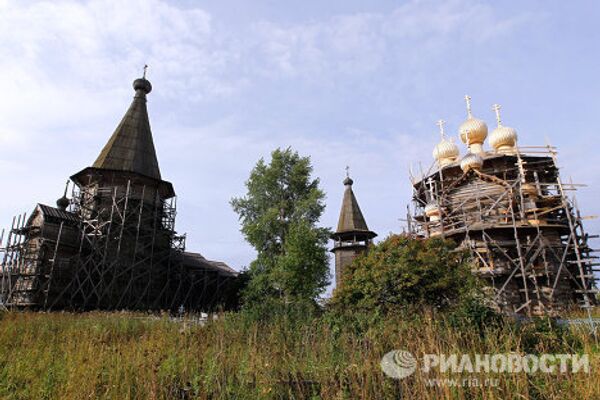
(139, 356)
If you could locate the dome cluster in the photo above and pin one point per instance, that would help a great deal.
(473, 132)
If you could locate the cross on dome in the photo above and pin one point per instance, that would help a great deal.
(496, 108)
(441, 123)
(468, 101)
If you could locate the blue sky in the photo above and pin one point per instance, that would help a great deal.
(358, 83)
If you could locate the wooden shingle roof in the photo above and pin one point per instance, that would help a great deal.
(131, 148)
(351, 217)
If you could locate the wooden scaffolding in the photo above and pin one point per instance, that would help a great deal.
(114, 248)
(523, 229)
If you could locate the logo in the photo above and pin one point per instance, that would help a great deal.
(398, 364)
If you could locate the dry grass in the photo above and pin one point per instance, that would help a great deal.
(132, 356)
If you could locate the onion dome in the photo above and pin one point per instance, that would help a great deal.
(142, 84)
(473, 131)
(432, 211)
(445, 152)
(471, 161)
(503, 139)
(63, 203)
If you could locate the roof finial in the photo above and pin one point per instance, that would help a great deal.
(63, 202)
(348, 181)
(496, 108)
(142, 86)
(441, 123)
(468, 100)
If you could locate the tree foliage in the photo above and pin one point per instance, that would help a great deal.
(402, 271)
(279, 216)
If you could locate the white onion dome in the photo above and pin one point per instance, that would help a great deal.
(432, 209)
(446, 150)
(503, 138)
(471, 161)
(476, 130)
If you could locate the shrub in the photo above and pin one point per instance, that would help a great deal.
(473, 312)
(403, 273)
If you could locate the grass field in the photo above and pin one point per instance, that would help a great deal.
(136, 356)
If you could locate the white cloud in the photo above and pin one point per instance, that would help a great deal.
(65, 67)
(54, 53)
(360, 43)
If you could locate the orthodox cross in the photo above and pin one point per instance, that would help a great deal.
(468, 100)
(430, 184)
(441, 123)
(347, 171)
(496, 108)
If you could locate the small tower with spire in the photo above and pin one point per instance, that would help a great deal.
(352, 236)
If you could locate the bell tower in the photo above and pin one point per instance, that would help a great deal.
(352, 236)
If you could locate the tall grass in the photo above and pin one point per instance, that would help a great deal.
(135, 356)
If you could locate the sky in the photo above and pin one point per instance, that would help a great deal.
(346, 82)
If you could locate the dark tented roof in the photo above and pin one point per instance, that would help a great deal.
(351, 218)
(131, 148)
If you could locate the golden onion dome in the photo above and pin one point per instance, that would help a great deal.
(471, 161)
(445, 152)
(473, 130)
(503, 138)
(446, 149)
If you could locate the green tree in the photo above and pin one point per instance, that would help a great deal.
(405, 272)
(279, 216)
